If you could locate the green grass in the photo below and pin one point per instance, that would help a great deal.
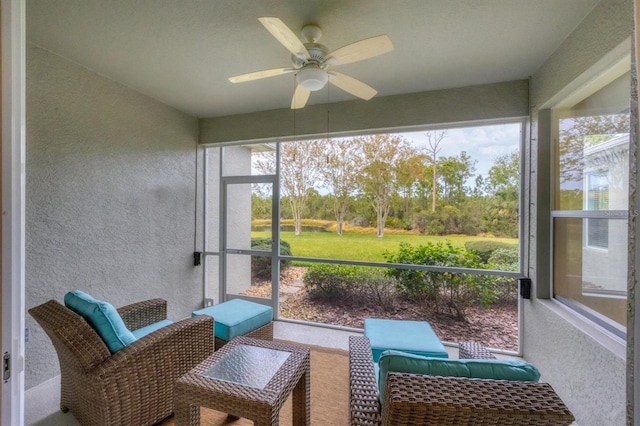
(365, 247)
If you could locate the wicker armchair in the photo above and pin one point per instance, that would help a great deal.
(413, 399)
(135, 385)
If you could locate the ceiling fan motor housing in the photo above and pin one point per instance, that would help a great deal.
(312, 77)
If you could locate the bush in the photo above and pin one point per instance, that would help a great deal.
(376, 289)
(350, 284)
(505, 259)
(430, 223)
(485, 248)
(330, 282)
(444, 290)
(261, 266)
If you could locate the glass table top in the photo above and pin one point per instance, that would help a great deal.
(248, 365)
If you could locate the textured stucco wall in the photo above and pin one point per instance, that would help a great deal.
(610, 22)
(110, 204)
(585, 366)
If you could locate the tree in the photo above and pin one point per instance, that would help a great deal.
(503, 188)
(340, 174)
(382, 155)
(299, 173)
(454, 173)
(410, 171)
(579, 133)
(434, 140)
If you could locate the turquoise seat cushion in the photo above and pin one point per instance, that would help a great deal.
(496, 369)
(415, 337)
(141, 332)
(103, 317)
(237, 317)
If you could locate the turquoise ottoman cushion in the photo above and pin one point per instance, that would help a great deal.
(237, 317)
(415, 337)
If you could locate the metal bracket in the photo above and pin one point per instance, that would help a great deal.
(6, 367)
(525, 287)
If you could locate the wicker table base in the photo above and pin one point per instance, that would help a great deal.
(252, 401)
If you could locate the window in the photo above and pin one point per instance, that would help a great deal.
(597, 199)
(418, 224)
(590, 198)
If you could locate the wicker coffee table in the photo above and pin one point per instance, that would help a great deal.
(247, 378)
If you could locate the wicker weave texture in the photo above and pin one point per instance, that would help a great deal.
(363, 388)
(473, 350)
(413, 399)
(142, 314)
(263, 333)
(260, 405)
(134, 386)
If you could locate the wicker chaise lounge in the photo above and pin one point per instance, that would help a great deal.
(414, 399)
(135, 385)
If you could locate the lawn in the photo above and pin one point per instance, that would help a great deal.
(365, 247)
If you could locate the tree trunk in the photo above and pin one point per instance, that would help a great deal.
(339, 210)
(296, 210)
(435, 188)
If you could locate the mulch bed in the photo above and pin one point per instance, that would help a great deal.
(496, 327)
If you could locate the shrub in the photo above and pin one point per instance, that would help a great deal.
(350, 284)
(505, 259)
(445, 290)
(261, 266)
(376, 289)
(330, 282)
(485, 248)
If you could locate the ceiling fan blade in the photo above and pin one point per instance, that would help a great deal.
(352, 85)
(260, 74)
(300, 97)
(285, 36)
(363, 49)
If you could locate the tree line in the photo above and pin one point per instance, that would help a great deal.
(386, 181)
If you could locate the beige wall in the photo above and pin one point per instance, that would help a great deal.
(586, 367)
(485, 102)
(110, 201)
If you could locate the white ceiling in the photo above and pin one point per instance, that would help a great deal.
(181, 52)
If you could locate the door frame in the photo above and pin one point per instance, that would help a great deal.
(13, 207)
(275, 238)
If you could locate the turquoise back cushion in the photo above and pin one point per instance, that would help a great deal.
(103, 317)
(497, 369)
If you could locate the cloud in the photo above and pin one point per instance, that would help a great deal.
(483, 144)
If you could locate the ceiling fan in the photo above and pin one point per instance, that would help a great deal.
(312, 62)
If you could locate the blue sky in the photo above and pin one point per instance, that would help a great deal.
(482, 143)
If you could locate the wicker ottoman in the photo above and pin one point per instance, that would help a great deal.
(238, 317)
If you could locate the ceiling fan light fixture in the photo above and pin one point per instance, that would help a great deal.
(312, 78)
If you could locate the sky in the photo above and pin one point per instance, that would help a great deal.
(482, 143)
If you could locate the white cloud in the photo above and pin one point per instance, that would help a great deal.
(482, 143)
